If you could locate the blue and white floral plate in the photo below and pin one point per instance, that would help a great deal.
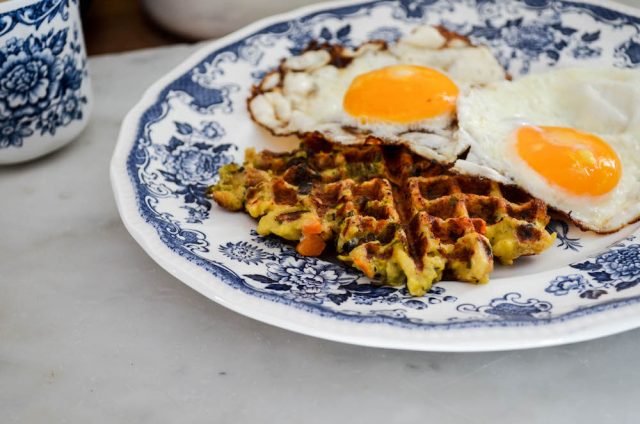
(194, 120)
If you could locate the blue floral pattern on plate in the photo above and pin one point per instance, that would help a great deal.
(510, 307)
(618, 268)
(174, 156)
(316, 281)
(191, 162)
(40, 75)
(565, 241)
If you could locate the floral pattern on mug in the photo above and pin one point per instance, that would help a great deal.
(40, 83)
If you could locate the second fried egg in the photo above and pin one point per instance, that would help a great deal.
(570, 137)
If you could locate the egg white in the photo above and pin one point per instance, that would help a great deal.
(603, 102)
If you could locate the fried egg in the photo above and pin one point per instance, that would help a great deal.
(570, 137)
(402, 93)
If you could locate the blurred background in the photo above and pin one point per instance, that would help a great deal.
(121, 25)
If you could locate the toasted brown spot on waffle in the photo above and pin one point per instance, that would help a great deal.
(284, 194)
(289, 216)
(399, 218)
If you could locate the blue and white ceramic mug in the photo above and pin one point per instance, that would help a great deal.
(45, 93)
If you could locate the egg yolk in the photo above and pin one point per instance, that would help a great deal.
(580, 163)
(400, 94)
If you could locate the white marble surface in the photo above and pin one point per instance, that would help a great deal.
(635, 3)
(93, 331)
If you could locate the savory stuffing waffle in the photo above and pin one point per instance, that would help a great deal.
(397, 217)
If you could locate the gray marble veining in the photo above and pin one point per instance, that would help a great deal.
(93, 331)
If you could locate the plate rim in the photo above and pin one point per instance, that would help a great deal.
(625, 317)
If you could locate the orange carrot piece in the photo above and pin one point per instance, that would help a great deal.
(312, 227)
(364, 267)
(311, 245)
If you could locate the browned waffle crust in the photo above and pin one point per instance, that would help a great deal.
(399, 218)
